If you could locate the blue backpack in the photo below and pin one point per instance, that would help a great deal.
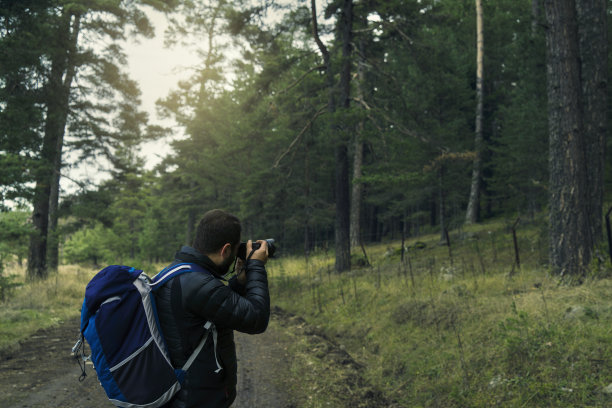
(119, 321)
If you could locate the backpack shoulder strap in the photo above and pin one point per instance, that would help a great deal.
(210, 328)
(170, 272)
(164, 276)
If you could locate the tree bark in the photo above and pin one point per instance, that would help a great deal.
(342, 226)
(357, 190)
(593, 46)
(441, 208)
(307, 204)
(357, 186)
(535, 16)
(53, 234)
(57, 96)
(342, 222)
(343, 244)
(570, 235)
(474, 200)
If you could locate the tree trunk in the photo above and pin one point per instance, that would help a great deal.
(474, 200)
(570, 235)
(57, 94)
(343, 243)
(535, 16)
(307, 205)
(357, 187)
(53, 233)
(357, 191)
(441, 200)
(342, 223)
(342, 226)
(593, 46)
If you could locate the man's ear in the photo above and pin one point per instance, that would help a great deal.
(226, 251)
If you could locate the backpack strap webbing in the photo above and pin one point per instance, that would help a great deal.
(175, 302)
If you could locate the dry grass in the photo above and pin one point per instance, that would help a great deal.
(36, 305)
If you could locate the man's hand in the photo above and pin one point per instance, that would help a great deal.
(241, 271)
(262, 253)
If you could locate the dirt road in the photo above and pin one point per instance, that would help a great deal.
(43, 373)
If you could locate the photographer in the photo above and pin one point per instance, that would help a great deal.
(187, 302)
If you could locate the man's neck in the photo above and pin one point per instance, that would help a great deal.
(190, 254)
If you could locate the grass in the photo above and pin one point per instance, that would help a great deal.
(472, 331)
(32, 306)
(459, 328)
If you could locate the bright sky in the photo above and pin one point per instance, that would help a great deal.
(157, 70)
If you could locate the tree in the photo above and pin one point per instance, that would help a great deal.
(593, 50)
(14, 231)
(573, 100)
(259, 143)
(474, 200)
(423, 92)
(86, 112)
(22, 36)
(201, 22)
(342, 228)
(516, 176)
(57, 93)
(339, 130)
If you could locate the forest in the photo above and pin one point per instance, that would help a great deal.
(329, 127)
(435, 174)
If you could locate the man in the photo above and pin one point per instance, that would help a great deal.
(186, 302)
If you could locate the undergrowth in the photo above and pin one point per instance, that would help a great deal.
(36, 305)
(469, 327)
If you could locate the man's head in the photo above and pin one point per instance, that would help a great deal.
(218, 236)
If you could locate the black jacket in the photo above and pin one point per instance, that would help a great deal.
(187, 302)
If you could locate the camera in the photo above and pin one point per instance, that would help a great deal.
(242, 248)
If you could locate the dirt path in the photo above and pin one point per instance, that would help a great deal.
(43, 373)
(263, 363)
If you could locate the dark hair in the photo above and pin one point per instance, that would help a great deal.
(216, 228)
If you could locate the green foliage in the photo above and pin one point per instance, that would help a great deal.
(259, 140)
(7, 286)
(22, 35)
(14, 235)
(518, 177)
(89, 246)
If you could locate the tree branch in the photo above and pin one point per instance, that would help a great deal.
(297, 81)
(81, 184)
(297, 138)
(399, 127)
(315, 33)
